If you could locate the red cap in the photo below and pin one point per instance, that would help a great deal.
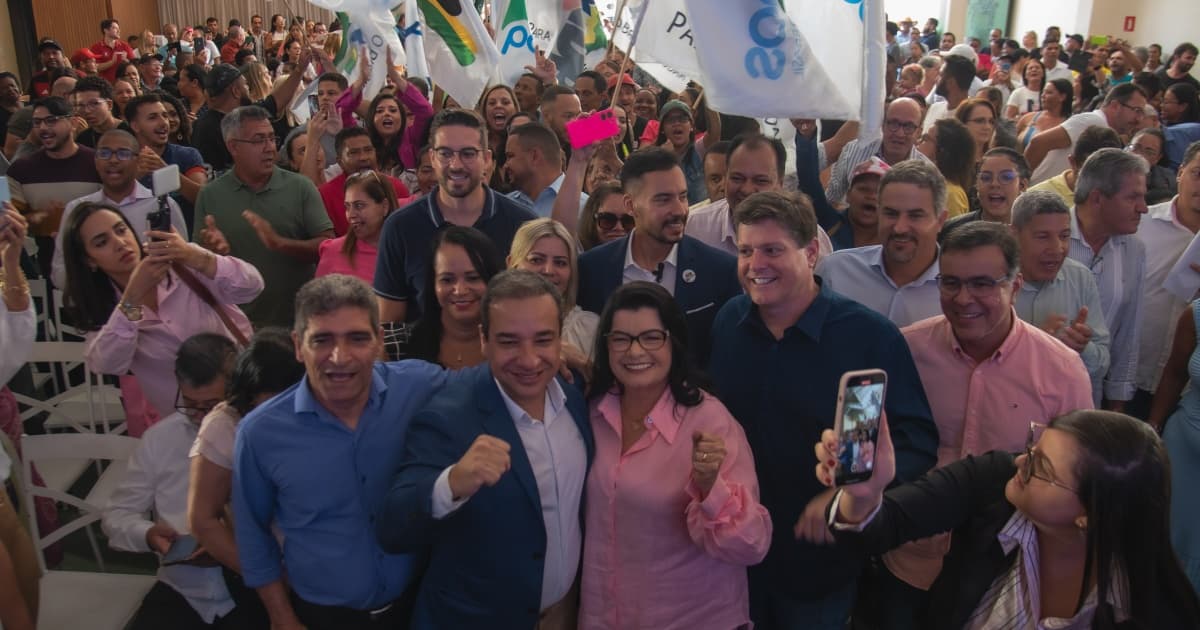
(625, 80)
(81, 54)
(873, 166)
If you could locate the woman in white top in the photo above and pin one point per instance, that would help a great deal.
(1028, 97)
(546, 247)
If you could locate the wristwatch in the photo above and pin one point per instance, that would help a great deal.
(133, 312)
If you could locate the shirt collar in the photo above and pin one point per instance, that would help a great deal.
(669, 260)
(663, 418)
(809, 323)
(875, 259)
(435, 213)
(724, 217)
(139, 193)
(556, 399)
(1167, 212)
(272, 183)
(306, 403)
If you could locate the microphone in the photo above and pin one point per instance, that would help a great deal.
(658, 272)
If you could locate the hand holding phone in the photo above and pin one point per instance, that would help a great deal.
(181, 549)
(859, 413)
(586, 130)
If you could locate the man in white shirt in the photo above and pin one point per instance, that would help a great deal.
(1123, 108)
(533, 165)
(117, 162)
(901, 130)
(190, 592)
(954, 86)
(1166, 232)
(1110, 199)
(1051, 51)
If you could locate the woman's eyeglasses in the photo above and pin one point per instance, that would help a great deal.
(647, 339)
(1036, 465)
(609, 220)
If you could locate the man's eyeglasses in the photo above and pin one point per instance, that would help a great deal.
(1004, 177)
(191, 408)
(609, 220)
(257, 141)
(1036, 466)
(47, 121)
(122, 155)
(978, 286)
(92, 104)
(467, 155)
(647, 339)
(1136, 110)
(896, 125)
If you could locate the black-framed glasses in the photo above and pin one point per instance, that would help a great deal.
(896, 125)
(977, 286)
(1004, 177)
(122, 155)
(1036, 466)
(257, 141)
(648, 339)
(189, 410)
(47, 121)
(609, 220)
(466, 154)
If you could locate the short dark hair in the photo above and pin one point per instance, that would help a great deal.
(723, 147)
(197, 73)
(978, 234)
(203, 358)
(106, 24)
(234, 22)
(1123, 93)
(516, 284)
(1013, 156)
(336, 77)
(1190, 154)
(600, 84)
(1183, 49)
(339, 141)
(94, 84)
(552, 92)
(1149, 82)
(791, 211)
(650, 160)
(756, 140)
(56, 105)
(455, 117)
(538, 136)
(240, 57)
(135, 104)
(8, 75)
(267, 366)
(959, 69)
(1091, 140)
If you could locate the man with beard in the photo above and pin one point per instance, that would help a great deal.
(116, 162)
(93, 99)
(227, 90)
(897, 279)
(355, 154)
(1177, 71)
(51, 55)
(953, 86)
(901, 130)
(268, 217)
(1123, 108)
(560, 105)
(458, 140)
(702, 278)
(1118, 67)
(533, 166)
(1057, 294)
(42, 182)
(147, 118)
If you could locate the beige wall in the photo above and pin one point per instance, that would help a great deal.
(8, 50)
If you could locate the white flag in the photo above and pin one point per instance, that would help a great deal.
(462, 57)
(414, 41)
(523, 26)
(665, 44)
(371, 27)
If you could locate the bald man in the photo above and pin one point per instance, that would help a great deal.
(901, 130)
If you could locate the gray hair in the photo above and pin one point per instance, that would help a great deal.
(921, 174)
(1105, 172)
(929, 62)
(517, 284)
(327, 294)
(231, 124)
(1035, 202)
(1142, 53)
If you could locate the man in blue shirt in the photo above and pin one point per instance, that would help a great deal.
(148, 119)
(533, 165)
(779, 352)
(315, 461)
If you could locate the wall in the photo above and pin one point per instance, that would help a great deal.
(136, 16)
(1036, 15)
(74, 24)
(8, 50)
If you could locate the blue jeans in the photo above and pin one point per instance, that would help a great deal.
(771, 609)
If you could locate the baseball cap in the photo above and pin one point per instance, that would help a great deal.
(1077, 37)
(873, 166)
(49, 43)
(147, 58)
(80, 55)
(675, 105)
(965, 51)
(625, 80)
(220, 78)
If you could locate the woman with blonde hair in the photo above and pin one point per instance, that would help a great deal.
(546, 247)
(258, 80)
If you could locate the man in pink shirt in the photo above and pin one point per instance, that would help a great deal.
(355, 153)
(987, 374)
(111, 51)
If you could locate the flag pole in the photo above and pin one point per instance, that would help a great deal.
(612, 41)
(637, 27)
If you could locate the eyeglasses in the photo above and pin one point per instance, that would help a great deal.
(92, 104)
(191, 411)
(990, 122)
(1142, 149)
(47, 121)
(122, 155)
(1005, 177)
(257, 141)
(978, 286)
(1036, 466)
(467, 155)
(896, 125)
(609, 220)
(1136, 110)
(648, 339)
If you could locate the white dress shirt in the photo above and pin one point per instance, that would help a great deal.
(558, 457)
(859, 274)
(156, 481)
(632, 271)
(1165, 238)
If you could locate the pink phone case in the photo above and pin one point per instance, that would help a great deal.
(599, 126)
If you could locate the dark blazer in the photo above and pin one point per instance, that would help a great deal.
(486, 558)
(967, 499)
(705, 278)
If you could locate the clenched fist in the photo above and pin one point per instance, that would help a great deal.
(484, 463)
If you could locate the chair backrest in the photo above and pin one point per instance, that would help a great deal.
(85, 407)
(35, 448)
(40, 293)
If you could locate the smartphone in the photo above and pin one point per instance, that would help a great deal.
(183, 547)
(165, 180)
(313, 107)
(859, 410)
(5, 193)
(585, 130)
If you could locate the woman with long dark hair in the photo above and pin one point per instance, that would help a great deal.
(1072, 533)
(1058, 101)
(496, 107)
(951, 147)
(397, 123)
(1180, 104)
(672, 496)
(140, 301)
(461, 262)
(605, 217)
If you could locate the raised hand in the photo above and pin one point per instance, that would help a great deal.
(708, 453)
(543, 68)
(212, 237)
(148, 161)
(266, 233)
(145, 278)
(484, 463)
(1078, 334)
(858, 499)
(13, 229)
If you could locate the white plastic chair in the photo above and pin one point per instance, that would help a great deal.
(86, 407)
(76, 599)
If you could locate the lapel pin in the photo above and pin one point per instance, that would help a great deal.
(689, 276)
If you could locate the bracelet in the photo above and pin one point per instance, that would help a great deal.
(21, 287)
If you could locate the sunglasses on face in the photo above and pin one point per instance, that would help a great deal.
(608, 221)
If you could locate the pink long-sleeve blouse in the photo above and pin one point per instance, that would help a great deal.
(657, 554)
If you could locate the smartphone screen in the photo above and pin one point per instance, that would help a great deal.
(860, 406)
(183, 547)
(5, 193)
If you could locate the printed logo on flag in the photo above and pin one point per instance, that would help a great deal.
(444, 17)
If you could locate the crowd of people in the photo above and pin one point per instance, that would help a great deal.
(419, 363)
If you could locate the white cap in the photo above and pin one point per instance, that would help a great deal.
(963, 50)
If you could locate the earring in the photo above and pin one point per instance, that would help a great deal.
(1081, 523)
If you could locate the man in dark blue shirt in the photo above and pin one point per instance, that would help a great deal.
(778, 354)
(460, 158)
(316, 461)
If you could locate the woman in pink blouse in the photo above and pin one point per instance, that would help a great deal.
(370, 198)
(135, 302)
(673, 515)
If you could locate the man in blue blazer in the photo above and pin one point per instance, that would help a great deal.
(702, 278)
(492, 477)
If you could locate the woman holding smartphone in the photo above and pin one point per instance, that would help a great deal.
(140, 301)
(673, 515)
(1072, 533)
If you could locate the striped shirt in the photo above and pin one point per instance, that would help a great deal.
(1119, 268)
(856, 152)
